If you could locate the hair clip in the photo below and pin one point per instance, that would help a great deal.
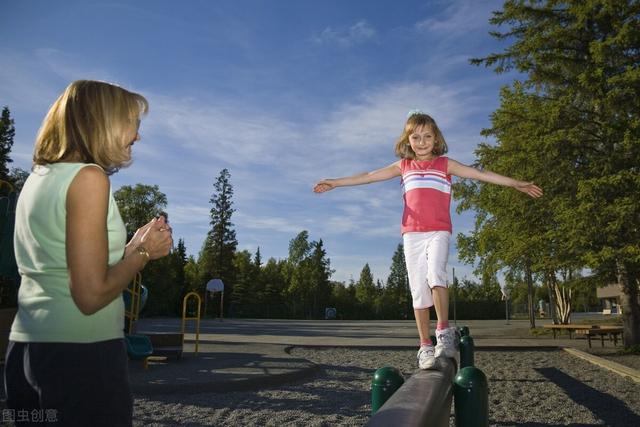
(414, 112)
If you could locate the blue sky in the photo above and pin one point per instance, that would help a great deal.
(282, 93)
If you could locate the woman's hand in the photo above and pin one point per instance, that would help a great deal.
(324, 186)
(135, 240)
(528, 188)
(156, 237)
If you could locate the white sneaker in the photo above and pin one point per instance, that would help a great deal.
(447, 343)
(426, 359)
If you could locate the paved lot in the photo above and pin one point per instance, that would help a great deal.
(247, 354)
(394, 333)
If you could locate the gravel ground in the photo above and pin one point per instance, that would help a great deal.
(531, 388)
(617, 355)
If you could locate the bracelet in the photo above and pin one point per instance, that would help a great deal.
(145, 253)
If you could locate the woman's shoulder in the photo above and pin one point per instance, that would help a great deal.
(89, 175)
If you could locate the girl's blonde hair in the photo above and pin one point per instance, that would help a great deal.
(91, 121)
(414, 121)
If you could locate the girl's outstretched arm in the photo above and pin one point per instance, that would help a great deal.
(463, 171)
(382, 174)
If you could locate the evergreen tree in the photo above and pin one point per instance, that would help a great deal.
(18, 176)
(242, 293)
(257, 259)
(580, 62)
(366, 291)
(297, 274)
(7, 133)
(398, 302)
(217, 255)
(320, 275)
(343, 298)
(272, 301)
(179, 262)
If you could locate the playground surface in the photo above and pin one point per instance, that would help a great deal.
(252, 354)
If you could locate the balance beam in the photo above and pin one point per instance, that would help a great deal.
(424, 399)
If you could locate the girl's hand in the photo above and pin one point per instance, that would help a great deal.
(528, 188)
(324, 186)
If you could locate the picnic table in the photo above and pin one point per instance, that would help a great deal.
(589, 331)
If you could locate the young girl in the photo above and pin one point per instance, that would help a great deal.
(426, 222)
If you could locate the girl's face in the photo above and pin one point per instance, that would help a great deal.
(423, 141)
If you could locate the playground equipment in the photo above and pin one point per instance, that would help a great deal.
(466, 351)
(213, 286)
(471, 396)
(185, 317)
(139, 347)
(385, 382)
(425, 398)
(135, 297)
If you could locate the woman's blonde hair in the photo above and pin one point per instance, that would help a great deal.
(414, 121)
(91, 122)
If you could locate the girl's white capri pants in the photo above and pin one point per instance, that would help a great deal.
(426, 255)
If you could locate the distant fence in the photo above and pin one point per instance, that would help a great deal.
(522, 310)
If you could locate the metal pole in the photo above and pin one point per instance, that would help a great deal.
(221, 305)
(506, 309)
(455, 291)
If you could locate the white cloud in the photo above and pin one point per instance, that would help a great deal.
(346, 36)
(277, 224)
(460, 18)
(22, 82)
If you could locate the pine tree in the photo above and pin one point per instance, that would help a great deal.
(320, 275)
(7, 133)
(179, 258)
(399, 293)
(219, 248)
(274, 289)
(242, 294)
(366, 291)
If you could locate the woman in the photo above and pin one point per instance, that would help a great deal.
(66, 362)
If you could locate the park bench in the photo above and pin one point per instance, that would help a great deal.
(589, 331)
(578, 329)
(602, 331)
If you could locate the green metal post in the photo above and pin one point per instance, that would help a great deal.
(385, 382)
(471, 398)
(466, 351)
(464, 331)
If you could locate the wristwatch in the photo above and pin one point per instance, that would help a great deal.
(144, 253)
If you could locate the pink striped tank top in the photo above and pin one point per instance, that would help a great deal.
(426, 190)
